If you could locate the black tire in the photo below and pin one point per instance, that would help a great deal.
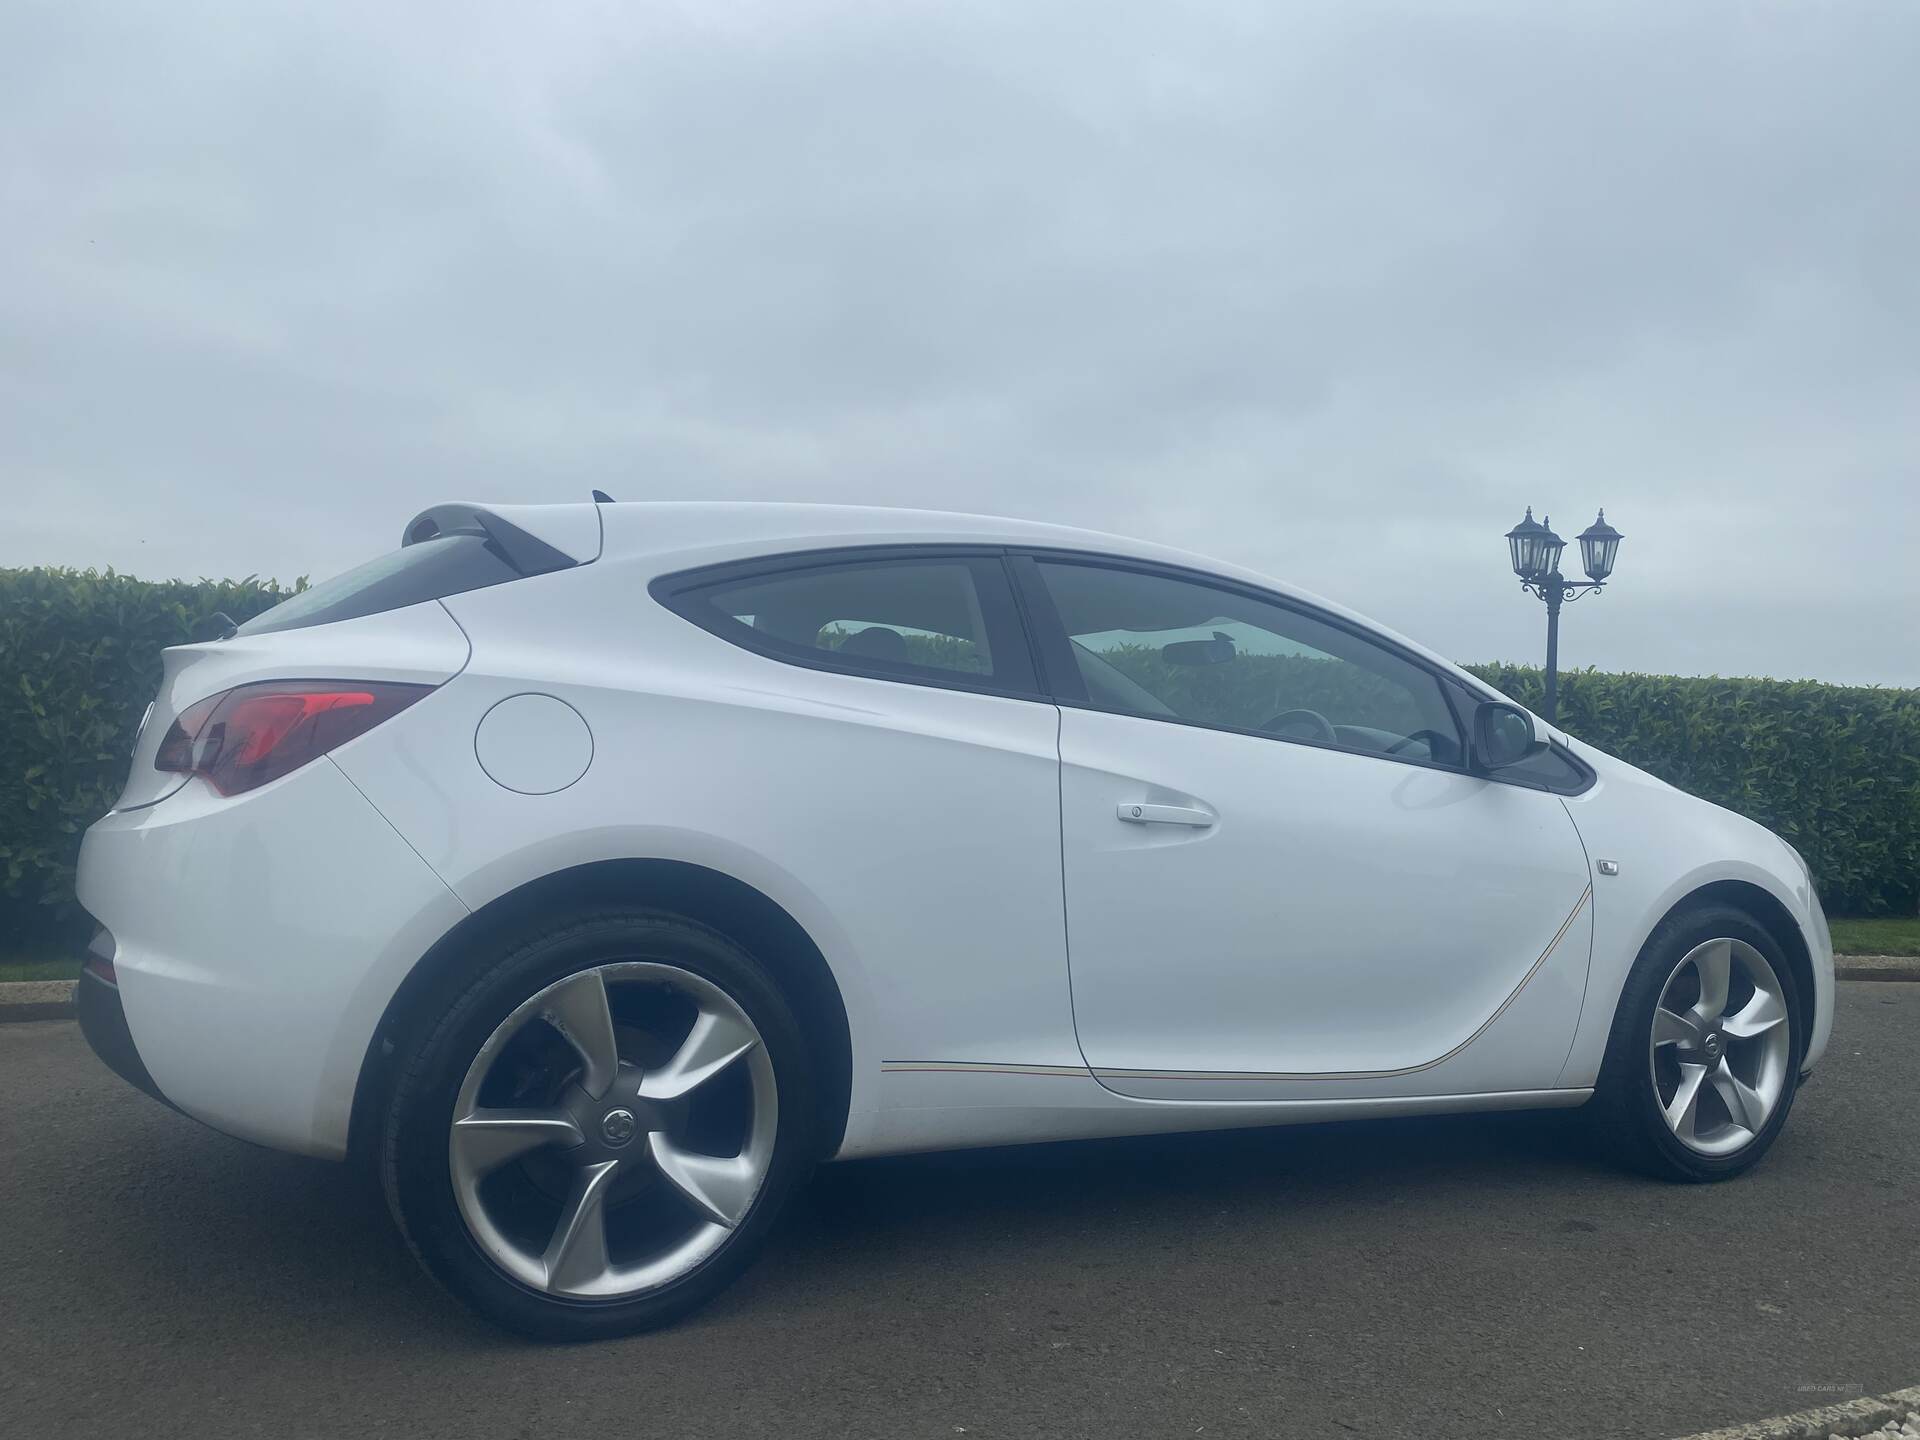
(1626, 1108)
(432, 1065)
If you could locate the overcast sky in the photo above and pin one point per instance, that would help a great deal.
(1334, 291)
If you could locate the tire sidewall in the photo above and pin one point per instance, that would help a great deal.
(417, 1168)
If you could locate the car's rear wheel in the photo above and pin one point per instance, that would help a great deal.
(1701, 1068)
(595, 1136)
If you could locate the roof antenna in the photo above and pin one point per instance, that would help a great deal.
(601, 497)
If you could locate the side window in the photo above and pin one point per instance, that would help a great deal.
(945, 621)
(1177, 649)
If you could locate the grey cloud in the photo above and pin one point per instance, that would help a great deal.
(1329, 290)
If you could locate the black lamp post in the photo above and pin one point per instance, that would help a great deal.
(1536, 560)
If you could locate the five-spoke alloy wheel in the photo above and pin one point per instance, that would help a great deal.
(616, 1128)
(621, 1103)
(1700, 1069)
(1719, 1048)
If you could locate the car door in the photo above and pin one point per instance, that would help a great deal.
(1282, 880)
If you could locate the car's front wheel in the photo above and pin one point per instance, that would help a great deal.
(595, 1136)
(1702, 1065)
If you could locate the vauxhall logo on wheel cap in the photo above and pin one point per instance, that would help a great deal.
(618, 1126)
(1712, 1045)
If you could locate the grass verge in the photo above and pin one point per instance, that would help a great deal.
(38, 965)
(1882, 936)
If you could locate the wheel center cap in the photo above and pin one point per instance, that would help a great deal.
(617, 1127)
(1712, 1045)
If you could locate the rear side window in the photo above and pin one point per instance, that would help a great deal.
(945, 621)
(425, 570)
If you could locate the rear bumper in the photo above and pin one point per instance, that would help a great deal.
(257, 943)
(104, 1022)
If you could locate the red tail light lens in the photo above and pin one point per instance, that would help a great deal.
(243, 738)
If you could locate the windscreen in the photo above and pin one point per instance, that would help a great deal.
(426, 570)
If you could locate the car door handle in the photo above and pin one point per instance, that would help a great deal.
(1163, 815)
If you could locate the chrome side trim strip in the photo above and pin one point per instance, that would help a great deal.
(978, 1067)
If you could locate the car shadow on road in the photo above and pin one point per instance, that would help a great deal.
(314, 1240)
(1145, 1177)
(909, 1220)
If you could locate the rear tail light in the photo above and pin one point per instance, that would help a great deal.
(243, 738)
(176, 746)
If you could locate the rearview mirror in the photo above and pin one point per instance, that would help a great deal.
(1503, 735)
(1217, 651)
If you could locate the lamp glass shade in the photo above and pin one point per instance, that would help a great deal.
(1550, 547)
(1525, 542)
(1599, 545)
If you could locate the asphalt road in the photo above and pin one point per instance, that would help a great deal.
(1476, 1276)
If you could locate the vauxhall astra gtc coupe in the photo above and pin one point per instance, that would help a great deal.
(595, 870)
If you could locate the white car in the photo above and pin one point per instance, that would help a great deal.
(597, 869)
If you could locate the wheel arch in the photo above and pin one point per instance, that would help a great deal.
(1772, 915)
(711, 897)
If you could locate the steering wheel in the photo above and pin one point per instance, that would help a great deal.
(1313, 717)
(1434, 740)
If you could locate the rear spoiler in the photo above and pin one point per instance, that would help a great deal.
(527, 554)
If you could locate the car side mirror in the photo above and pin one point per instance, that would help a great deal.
(1503, 735)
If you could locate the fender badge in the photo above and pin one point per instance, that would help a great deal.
(1608, 867)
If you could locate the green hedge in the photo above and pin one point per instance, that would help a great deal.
(1834, 769)
(79, 660)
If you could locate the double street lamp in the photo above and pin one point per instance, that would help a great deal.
(1536, 560)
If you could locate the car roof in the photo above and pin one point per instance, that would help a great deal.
(656, 526)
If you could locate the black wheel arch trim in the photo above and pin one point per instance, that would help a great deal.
(1771, 914)
(726, 904)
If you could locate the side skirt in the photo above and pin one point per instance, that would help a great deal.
(956, 1105)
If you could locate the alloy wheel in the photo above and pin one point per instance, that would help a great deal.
(1720, 1046)
(614, 1130)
